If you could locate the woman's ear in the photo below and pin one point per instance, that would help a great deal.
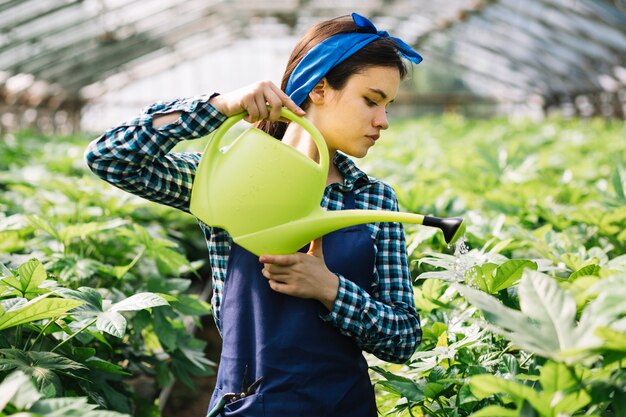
(319, 92)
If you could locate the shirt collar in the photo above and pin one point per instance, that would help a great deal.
(349, 171)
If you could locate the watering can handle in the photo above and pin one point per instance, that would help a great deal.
(214, 145)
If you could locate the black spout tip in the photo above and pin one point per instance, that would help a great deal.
(453, 228)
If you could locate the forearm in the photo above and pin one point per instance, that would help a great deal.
(135, 155)
(390, 332)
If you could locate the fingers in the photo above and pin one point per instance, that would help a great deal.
(278, 265)
(261, 100)
(275, 104)
(264, 100)
(256, 108)
(277, 286)
(285, 101)
(275, 272)
(282, 260)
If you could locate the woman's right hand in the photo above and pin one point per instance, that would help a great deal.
(261, 100)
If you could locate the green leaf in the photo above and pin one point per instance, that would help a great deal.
(170, 285)
(75, 268)
(509, 365)
(608, 305)
(168, 331)
(106, 413)
(528, 410)
(484, 386)
(511, 323)
(495, 411)
(422, 302)
(10, 386)
(85, 230)
(44, 367)
(110, 368)
(120, 271)
(196, 356)
(139, 302)
(509, 273)
(44, 225)
(62, 406)
(90, 298)
(569, 403)
(4, 271)
(32, 274)
(542, 299)
(47, 360)
(17, 388)
(436, 374)
(619, 403)
(111, 322)
(83, 353)
(400, 385)
(618, 184)
(168, 260)
(587, 270)
(546, 325)
(556, 377)
(37, 309)
(433, 389)
(482, 276)
(612, 339)
(13, 282)
(191, 306)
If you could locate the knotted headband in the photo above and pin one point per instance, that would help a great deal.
(329, 53)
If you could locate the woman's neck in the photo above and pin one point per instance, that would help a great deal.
(297, 137)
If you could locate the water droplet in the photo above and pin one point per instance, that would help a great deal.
(462, 262)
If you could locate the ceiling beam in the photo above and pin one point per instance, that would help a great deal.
(29, 11)
(156, 63)
(65, 42)
(587, 26)
(118, 63)
(543, 49)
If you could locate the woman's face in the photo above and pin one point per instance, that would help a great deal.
(351, 119)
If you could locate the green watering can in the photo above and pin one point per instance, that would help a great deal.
(267, 195)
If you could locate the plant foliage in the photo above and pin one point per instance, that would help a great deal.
(529, 319)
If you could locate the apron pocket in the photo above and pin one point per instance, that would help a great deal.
(250, 406)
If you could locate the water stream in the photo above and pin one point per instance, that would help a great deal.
(462, 262)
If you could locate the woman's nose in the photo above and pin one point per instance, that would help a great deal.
(381, 121)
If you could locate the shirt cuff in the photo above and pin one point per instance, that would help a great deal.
(346, 306)
(198, 117)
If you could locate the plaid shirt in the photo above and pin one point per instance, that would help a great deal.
(135, 157)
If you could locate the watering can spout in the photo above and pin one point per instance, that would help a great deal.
(452, 227)
(290, 237)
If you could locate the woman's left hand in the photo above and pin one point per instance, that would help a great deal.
(303, 275)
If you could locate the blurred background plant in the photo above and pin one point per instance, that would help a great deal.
(515, 121)
(99, 291)
(529, 319)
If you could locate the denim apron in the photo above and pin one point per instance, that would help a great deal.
(309, 368)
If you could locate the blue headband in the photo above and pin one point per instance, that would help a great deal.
(329, 53)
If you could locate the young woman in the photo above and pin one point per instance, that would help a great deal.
(299, 321)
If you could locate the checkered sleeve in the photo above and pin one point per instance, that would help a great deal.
(385, 321)
(135, 156)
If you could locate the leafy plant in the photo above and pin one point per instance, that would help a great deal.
(538, 295)
(95, 277)
(19, 397)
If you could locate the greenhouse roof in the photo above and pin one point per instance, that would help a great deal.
(505, 48)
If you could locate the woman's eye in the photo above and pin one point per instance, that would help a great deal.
(370, 103)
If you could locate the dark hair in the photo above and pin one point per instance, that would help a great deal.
(381, 52)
